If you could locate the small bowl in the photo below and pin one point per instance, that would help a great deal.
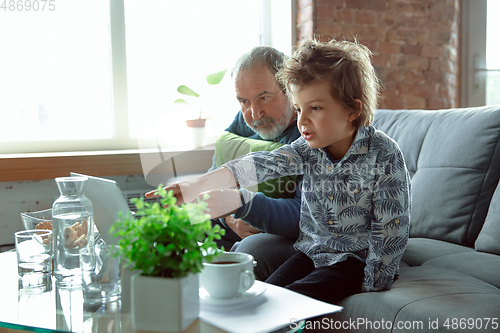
(32, 219)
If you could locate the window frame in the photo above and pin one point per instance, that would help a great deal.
(473, 52)
(473, 49)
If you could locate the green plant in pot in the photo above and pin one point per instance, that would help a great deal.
(168, 250)
(197, 99)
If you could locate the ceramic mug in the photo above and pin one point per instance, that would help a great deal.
(229, 275)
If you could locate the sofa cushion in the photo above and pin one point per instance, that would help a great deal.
(422, 285)
(484, 266)
(420, 250)
(454, 157)
(230, 146)
(489, 237)
(460, 312)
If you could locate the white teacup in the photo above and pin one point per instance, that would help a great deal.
(229, 275)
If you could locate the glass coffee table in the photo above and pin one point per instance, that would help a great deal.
(49, 308)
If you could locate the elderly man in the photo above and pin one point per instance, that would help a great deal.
(266, 116)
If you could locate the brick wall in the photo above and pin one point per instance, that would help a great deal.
(414, 42)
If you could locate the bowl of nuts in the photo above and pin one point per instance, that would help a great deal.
(37, 220)
(74, 235)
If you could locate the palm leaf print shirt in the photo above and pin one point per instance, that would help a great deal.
(358, 207)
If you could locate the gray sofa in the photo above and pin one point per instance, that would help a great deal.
(450, 273)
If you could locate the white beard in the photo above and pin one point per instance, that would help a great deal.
(273, 132)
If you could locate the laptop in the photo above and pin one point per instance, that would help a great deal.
(108, 200)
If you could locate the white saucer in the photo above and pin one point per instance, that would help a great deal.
(254, 291)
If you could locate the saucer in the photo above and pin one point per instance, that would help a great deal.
(254, 291)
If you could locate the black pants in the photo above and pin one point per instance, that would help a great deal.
(328, 284)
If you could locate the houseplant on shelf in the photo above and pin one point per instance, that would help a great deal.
(197, 99)
(168, 251)
(196, 105)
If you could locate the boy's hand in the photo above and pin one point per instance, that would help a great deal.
(220, 203)
(212, 183)
(223, 203)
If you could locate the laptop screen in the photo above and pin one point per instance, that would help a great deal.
(108, 201)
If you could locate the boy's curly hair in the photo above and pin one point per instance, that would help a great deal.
(347, 68)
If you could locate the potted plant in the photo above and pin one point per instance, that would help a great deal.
(212, 79)
(168, 251)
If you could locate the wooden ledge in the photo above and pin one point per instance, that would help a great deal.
(22, 167)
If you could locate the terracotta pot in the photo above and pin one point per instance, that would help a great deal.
(196, 122)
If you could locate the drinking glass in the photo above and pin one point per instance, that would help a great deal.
(101, 274)
(34, 252)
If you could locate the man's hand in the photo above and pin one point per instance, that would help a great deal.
(170, 187)
(240, 227)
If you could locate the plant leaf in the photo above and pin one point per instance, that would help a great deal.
(185, 90)
(215, 78)
(180, 101)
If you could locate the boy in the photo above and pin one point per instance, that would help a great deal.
(355, 204)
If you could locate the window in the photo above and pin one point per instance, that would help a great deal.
(492, 53)
(194, 45)
(91, 75)
(480, 49)
(54, 82)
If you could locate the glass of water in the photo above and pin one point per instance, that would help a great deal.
(101, 274)
(34, 252)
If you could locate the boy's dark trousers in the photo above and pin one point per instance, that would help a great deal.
(328, 284)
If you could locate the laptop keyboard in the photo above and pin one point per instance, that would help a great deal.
(137, 194)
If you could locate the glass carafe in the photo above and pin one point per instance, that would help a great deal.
(73, 228)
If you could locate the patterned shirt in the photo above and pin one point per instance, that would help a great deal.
(358, 207)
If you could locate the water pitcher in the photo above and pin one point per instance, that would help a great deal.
(73, 228)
